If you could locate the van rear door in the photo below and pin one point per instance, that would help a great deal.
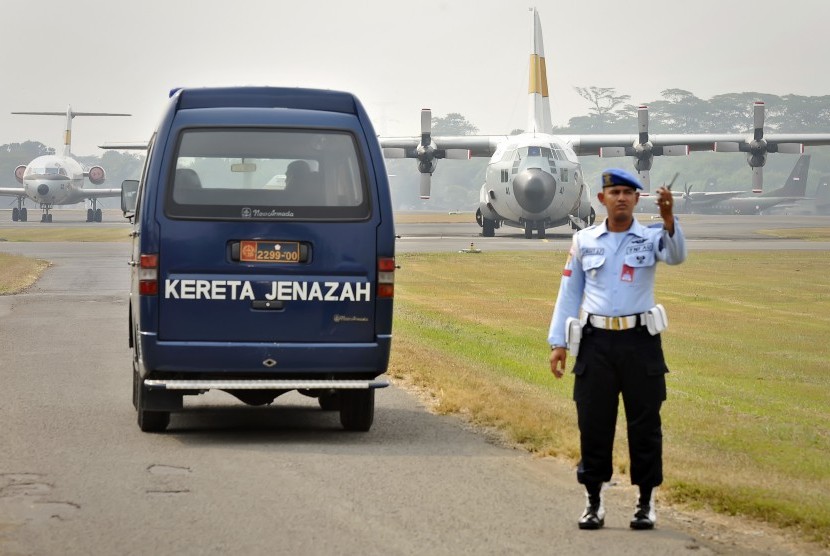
(269, 236)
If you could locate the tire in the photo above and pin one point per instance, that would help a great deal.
(488, 227)
(528, 230)
(148, 421)
(89, 215)
(15, 214)
(540, 230)
(24, 214)
(357, 409)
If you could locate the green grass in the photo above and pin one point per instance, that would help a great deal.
(747, 421)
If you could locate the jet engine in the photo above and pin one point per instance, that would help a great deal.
(96, 175)
(19, 171)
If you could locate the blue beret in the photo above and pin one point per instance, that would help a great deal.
(617, 176)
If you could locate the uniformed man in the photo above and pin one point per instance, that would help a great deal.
(608, 284)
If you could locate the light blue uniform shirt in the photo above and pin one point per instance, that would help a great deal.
(613, 274)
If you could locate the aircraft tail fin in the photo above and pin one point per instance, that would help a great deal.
(796, 185)
(69, 114)
(539, 120)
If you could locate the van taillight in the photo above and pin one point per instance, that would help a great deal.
(148, 275)
(386, 278)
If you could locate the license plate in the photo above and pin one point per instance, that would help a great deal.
(269, 251)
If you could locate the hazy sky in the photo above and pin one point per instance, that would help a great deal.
(467, 56)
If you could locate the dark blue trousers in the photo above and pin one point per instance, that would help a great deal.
(610, 363)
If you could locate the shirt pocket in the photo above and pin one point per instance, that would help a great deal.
(592, 264)
(640, 259)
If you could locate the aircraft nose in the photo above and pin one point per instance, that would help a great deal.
(534, 189)
(43, 189)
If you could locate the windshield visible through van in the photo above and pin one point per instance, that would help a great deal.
(267, 174)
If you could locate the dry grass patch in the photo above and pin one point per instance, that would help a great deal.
(18, 273)
(808, 234)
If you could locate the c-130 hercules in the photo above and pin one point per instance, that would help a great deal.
(534, 180)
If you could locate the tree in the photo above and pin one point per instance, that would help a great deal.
(603, 100)
(453, 124)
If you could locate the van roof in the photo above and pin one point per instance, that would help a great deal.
(266, 97)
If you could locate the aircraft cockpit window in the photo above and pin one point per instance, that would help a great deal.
(509, 155)
(275, 175)
(55, 171)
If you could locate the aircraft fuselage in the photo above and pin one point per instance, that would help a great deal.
(54, 180)
(533, 181)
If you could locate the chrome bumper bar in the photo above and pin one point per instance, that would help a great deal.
(264, 384)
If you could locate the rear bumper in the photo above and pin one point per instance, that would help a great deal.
(272, 360)
(173, 384)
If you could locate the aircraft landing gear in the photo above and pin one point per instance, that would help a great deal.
(538, 226)
(19, 213)
(488, 227)
(46, 217)
(94, 214)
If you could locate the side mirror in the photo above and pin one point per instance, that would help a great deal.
(129, 192)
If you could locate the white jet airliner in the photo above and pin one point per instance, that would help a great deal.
(58, 179)
(534, 180)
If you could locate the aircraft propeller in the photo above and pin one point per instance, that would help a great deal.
(644, 151)
(426, 153)
(757, 147)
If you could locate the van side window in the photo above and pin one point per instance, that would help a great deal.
(272, 175)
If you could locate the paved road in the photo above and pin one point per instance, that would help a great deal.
(78, 477)
(702, 231)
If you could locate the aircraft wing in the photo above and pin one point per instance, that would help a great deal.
(709, 197)
(476, 145)
(97, 193)
(15, 191)
(585, 145)
(126, 146)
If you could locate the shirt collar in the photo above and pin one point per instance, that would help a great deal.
(636, 229)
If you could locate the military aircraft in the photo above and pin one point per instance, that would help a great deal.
(737, 202)
(534, 180)
(58, 179)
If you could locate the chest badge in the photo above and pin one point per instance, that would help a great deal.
(627, 274)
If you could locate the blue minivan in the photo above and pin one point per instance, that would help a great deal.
(263, 253)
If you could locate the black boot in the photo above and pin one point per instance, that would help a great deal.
(594, 515)
(645, 515)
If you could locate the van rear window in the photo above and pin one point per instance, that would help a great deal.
(239, 174)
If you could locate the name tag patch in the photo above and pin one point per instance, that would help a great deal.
(641, 248)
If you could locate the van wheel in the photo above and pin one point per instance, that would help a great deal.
(329, 401)
(148, 421)
(357, 409)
